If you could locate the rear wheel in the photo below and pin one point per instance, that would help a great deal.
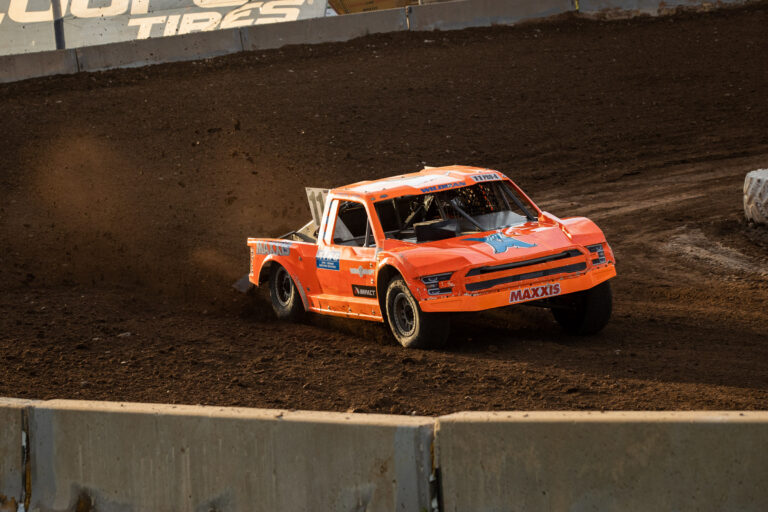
(585, 312)
(286, 300)
(409, 324)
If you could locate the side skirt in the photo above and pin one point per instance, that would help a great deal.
(348, 307)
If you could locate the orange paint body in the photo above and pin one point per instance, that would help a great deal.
(529, 261)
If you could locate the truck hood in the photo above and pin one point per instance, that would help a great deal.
(526, 241)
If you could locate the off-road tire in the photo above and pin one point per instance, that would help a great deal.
(286, 300)
(410, 326)
(586, 312)
(756, 196)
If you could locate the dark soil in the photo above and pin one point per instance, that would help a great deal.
(126, 198)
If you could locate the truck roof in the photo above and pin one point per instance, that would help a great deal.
(430, 179)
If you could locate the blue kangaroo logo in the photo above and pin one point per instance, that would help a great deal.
(501, 243)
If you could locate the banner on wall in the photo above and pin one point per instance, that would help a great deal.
(28, 25)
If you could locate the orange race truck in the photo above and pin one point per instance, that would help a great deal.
(410, 249)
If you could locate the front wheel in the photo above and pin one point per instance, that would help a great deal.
(409, 324)
(286, 300)
(585, 312)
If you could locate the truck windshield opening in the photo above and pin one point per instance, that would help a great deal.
(454, 212)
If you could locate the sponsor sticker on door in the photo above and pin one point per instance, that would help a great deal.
(534, 292)
(328, 258)
(364, 291)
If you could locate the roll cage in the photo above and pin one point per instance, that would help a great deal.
(479, 207)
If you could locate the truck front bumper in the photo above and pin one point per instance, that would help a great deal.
(518, 293)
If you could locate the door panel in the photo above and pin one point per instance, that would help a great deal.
(359, 266)
(345, 266)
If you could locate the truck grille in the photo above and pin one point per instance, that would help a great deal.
(568, 267)
(527, 263)
(482, 285)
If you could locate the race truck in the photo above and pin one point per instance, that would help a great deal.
(411, 249)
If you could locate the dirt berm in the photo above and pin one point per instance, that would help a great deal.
(126, 198)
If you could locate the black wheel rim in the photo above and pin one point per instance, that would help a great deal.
(404, 314)
(283, 286)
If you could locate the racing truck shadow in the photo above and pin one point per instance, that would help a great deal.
(506, 327)
(470, 332)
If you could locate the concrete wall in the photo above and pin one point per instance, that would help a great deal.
(636, 461)
(11, 463)
(138, 457)
(441, 16)
(164, 18)
(27, 27)
(482, 13)
(117, 457)
(200, 45)
(629, 8)
(31, 65)
(323, 30)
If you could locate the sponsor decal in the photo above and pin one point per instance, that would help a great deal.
(534, 292)
(360, 271)
(218, 14)
(444, 186)
(107, 21)
(394, 182)
(486, 177)
(364, 291)
(328, 259)
(278, 248)
(501, 242)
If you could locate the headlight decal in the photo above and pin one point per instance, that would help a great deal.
(598, 251)
(432, 283)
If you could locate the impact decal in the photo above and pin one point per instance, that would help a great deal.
(364, 291)
(501, 243)
(278, 248)
(328, 258)
(534, 292)
(444, 186)
(360, 271)
(486, 177)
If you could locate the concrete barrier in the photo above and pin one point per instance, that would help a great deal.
(88, 26)
(634, 461)
(26, 27)
(11, 454)
(200, 45)
(31, 65)
(439, 16)
(482, 13)
(629, 8)
(115, 457)
(324, 30)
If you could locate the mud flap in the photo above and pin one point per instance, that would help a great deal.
(243, 285)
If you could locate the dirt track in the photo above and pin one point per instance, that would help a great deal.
(126, 198)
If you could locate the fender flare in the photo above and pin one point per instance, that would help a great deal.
(391, 261)
(582, 230)
(288, 266)
(398, 266)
